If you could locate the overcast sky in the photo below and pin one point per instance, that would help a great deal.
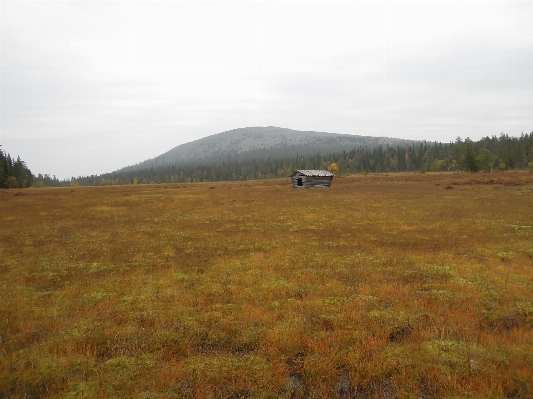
(88, 87)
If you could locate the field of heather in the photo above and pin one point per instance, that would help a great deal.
(389, 286)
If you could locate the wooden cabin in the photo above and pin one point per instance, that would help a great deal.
(311, 178)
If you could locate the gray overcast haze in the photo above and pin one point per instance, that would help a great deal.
(88, 87)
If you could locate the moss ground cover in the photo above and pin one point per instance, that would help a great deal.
(381, 286)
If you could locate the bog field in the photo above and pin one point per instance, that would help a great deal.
(390, 286)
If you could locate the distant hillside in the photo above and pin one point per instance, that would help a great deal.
(354, 156)
(261, 142)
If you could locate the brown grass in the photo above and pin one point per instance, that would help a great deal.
(381, 286)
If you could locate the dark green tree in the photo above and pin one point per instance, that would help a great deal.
(14, 174)
(470, 160)
(486, 160)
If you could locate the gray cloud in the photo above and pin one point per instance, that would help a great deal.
(89, 87)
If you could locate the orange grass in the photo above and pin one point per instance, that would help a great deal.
(381, 286)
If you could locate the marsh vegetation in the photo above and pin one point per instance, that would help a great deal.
(380, 286)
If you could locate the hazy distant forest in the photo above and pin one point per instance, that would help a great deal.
(488, 154)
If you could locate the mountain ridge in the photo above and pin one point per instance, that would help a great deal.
(269, 141)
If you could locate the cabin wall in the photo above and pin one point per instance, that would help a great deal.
(311, 181)
(319, 181)
(303, 181)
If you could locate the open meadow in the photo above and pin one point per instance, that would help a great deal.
(389, 286)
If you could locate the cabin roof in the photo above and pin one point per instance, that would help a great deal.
(314, 173)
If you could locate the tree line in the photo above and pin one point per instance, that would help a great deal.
(14, 173)
(488, 154)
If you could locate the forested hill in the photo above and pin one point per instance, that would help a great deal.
(262, 142)
(489, 154)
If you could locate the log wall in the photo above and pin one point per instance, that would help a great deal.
(312, 181)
